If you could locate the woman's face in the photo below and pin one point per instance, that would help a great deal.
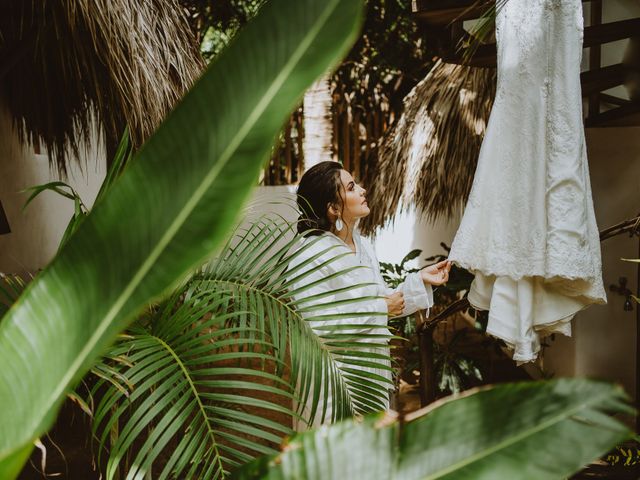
(353, 198)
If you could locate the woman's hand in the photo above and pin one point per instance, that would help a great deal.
(437, 274)
(395, 304)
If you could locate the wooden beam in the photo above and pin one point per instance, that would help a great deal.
(443, 12)
(606, 98)
(595, 54)
(603, 118)
(599, 79)
(610, 32)
(484, 56)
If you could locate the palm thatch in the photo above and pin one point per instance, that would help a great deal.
(66, 64)
(429, 157)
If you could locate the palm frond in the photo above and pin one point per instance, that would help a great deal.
(429, 157)
(69, 66)
(515, 431)
(482, 29)
(216, 374)
(191, 398)
(308, 330)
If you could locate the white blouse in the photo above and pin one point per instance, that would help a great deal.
(331, 257)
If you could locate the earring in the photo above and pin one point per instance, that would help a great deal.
(339, 224)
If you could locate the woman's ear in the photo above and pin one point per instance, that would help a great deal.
(332, 210)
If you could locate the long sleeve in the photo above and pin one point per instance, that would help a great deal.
(417, 295)
(330, 289)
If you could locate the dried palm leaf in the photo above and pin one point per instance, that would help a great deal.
(428, 158)
(66, 64)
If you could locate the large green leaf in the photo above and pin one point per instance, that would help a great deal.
(528, 431)
(166, 213)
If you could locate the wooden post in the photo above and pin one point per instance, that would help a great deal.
(427, 373)
(595, 57)
(637, 306)
(427, 359)
(355, 166)
(346, 139)
(288, 154)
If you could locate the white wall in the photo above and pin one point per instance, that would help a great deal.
(604, 336)
(36, 231)
(612, 53)
(410, 230)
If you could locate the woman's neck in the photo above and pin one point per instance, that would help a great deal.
(346, 234)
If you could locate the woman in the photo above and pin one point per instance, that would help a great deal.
(335, 258)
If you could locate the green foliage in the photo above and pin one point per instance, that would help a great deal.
(454, 372)
(166, 213)
(525, 431)
(171, 392)
(388, 59)
(483, 28)
(216, 22)
(80, 211)
(394, 274)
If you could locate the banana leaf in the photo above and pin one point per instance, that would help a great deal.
(523, 431)
(168, 211)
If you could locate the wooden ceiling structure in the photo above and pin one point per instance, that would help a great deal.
(443, 22)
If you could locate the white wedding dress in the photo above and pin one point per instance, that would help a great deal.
(528, 231)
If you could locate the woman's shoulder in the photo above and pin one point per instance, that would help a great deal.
(323, 246)
(367, 245)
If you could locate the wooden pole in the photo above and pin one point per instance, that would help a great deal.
(637, 306)
(595, 57)
(427, 373)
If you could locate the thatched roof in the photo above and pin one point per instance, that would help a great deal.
(66, 63)
(429, 157)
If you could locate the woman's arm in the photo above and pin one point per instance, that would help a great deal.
(417, 295)
(408, 297)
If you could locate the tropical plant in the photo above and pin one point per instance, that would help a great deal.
(202, 375)
(388, 59)
(521, 431)
(11, 287)
(164, 215)
(454, 371)
(216, 22)
(247, 305)
(80, 211)
(483, 28)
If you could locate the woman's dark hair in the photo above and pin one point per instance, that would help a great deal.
(318, 187)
